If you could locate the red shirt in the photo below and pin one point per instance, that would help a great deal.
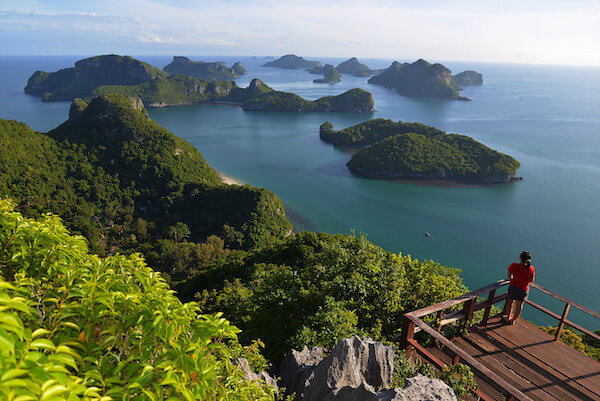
(521, 275)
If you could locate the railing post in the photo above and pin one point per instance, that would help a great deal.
(562, 321)
(408, 333)
(455, 360)
(469, 310)
(488, 308)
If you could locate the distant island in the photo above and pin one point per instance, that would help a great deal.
(330, 74)
(200, 70)
(419, 79)
(417, 151)
(103, 75)
(292, 62)
(467, 78)
(354, 67)
(90, 73)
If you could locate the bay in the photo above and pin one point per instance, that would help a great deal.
(547, 117)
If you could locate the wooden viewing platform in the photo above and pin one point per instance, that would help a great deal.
(511, 362)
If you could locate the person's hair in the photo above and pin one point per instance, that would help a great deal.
(525, 258)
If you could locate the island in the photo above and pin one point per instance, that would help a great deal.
(330, 74)
(238, 68)
(468, 77)
(354, 67)
(200, 70)
(413, 151)
(419, 79)
(353, 101)
(104, 75)
(90, 73)
(292, 62)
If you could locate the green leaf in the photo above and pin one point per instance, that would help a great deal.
(42, 343)
(12, 373)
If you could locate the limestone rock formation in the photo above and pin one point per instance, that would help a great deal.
(250, 375)
(355, 370)
(292, 62)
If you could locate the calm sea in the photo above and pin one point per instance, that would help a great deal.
(547, 117)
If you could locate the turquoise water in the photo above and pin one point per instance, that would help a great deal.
(547, 117)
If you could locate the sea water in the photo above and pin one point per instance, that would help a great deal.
(547, 117)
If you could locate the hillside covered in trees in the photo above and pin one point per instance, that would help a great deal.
(129, 185)
(200, 70)
(417, 151)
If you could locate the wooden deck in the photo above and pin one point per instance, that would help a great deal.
(530, 360)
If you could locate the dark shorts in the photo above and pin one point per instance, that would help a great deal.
(517, 293)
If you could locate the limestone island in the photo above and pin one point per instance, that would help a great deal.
(200, 70)
(111, 74)
(354, 67)
(467, 78)
(330, 74)
(419, 79)
(413, 151)
(292, 62)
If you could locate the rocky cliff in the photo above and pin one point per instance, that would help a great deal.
(355, 370)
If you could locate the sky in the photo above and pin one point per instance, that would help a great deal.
(524, 31)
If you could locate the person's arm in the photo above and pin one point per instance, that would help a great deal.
(509, 272)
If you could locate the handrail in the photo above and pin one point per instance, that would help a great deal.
(413, 323)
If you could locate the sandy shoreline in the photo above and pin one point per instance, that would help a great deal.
(229, 180)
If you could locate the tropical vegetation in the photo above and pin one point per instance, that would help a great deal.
(200, 70)
(74, 326)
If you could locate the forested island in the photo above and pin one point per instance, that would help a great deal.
(354, 67)
(292, 62)
(399, 150)
(467, 78)
(329, 72)
(104, 75)
(207, 71)
(419, 79)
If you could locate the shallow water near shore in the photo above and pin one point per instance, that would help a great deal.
(547, 117)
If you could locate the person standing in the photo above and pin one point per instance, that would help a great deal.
(520, 275)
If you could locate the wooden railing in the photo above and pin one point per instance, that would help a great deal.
(413, 323)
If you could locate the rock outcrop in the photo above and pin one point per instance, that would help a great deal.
(244, 365)
(330, 74)
(355, 370)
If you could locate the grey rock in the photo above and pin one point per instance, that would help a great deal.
(244, 365)
(355, 370)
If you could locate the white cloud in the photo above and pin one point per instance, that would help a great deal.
(548, 31)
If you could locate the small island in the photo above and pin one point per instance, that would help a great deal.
(200, 70)
(354, 67)
(104, 75)
(292, 62)
(330, 74)
(414, 151)
(467, 78)
(419, 79)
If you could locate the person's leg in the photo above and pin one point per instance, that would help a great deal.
(518, 309)
(507, 308)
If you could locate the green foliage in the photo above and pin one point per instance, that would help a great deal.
(443, 156)
(419, 79)
(467, 78)
(122, 181)
(89, 74)
(460, 378)
(581, 342)
(74, 326)
(208, 71)
(354, 100)
(372, 131)
(330, 73)
(319, 288)
(405, 368)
